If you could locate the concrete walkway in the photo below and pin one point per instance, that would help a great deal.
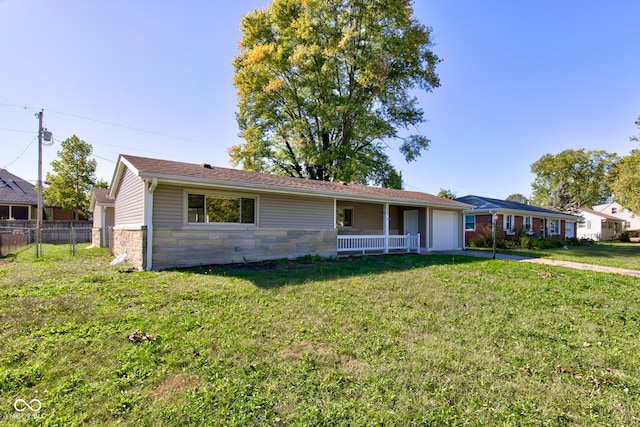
(568, 264)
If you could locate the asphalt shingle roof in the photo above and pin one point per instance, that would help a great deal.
(486, 203)
(101, 195)
(602, 214)
(218, 175)
(14, 189)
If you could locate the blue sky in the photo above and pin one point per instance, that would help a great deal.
(154, 78)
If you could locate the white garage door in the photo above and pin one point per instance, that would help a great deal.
(445, 230)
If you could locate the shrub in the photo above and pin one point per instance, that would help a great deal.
(574, 241)
(625, 237)
(486, 241)
(527, 242)
(548, 243)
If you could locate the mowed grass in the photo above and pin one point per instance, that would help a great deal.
(612, 254)
(394, 340)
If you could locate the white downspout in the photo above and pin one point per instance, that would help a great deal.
(148, 220)
(427, 229)
(463, 229)
(385, 225)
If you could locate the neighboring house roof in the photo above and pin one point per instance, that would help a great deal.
(489, 205)
(632, 221)
(16, 190)
(607, 206)
(601, 215)
(193, 174)
(100, 197)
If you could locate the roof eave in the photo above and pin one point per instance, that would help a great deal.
(182, 180)
(559, 215)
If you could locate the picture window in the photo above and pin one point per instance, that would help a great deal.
(220, 209)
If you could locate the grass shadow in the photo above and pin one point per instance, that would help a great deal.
(284, 272)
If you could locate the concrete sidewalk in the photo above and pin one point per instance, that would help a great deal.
(568, 264)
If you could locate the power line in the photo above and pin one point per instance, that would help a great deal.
(21, 154)
(133, 128)
(151, 132)
(16, 130)
(103, 158)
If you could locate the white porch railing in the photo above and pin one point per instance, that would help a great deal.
(364, 243)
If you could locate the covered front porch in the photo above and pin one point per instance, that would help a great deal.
(380, 228)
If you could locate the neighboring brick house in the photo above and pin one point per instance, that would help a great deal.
(19, 201)
(513, 218)
(18, 198)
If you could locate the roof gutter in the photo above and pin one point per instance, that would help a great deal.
(491, 211)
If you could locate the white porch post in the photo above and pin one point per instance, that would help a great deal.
(103, 226)
(385, 226)
(427, 217)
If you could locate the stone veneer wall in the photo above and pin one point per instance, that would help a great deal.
(184, 247)
(96, 237)
(133, 242)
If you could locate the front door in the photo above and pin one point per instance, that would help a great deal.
(411, 222)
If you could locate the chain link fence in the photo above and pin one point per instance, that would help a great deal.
(14, 238)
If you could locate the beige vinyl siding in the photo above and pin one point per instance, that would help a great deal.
(129, 202)
(300, 212)
(109, 216)
(97, 216)
(368, 217)
(168, 205)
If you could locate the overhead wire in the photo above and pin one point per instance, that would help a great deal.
(135, 128)
(151, 132)
(21, 154)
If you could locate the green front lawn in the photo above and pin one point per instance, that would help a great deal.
(394, 340)
(612, 254)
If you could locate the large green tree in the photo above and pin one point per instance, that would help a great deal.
(625, 182)
(625, 178)
(572, 179)
(636, 138)
(73, 177)
(324, 86)
(517, 197)
(447, 193)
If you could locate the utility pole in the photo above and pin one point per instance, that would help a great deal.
(39, 217)
(494, 226)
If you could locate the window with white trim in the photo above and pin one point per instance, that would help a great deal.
(470, 222)
(220, 209)
(554, 226)
(527, 224)
(344, 217)
(508, 222)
